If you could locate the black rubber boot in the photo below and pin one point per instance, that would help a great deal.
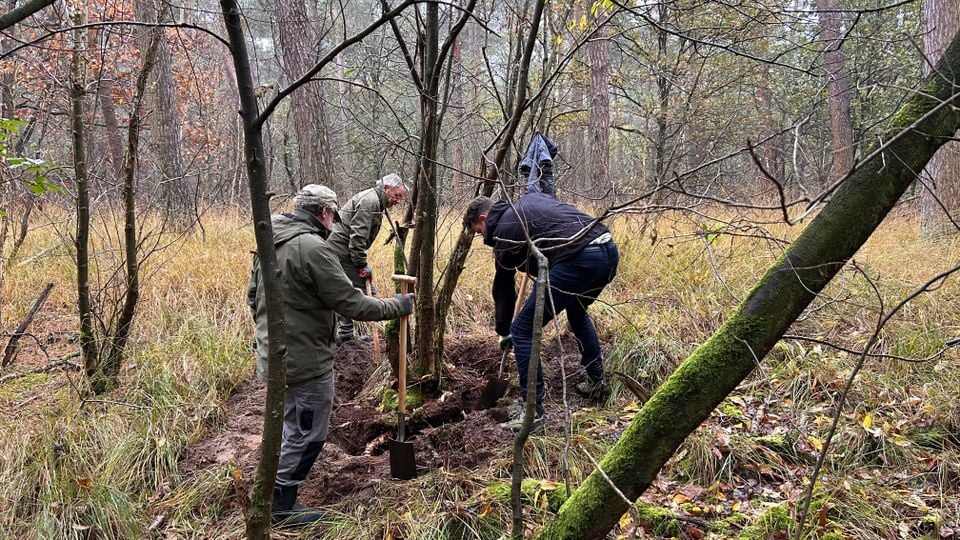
(285, 511)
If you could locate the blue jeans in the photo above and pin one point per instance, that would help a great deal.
(574, 284)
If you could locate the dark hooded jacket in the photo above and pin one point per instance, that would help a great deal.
(314, 287)
(545, 217)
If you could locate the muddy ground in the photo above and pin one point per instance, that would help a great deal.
(446, 431)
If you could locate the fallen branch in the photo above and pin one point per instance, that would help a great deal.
(634, 386)
(65, 362)
(11, 349)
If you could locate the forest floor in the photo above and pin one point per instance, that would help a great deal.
(447, 432)
(722, 484)
(171, 452)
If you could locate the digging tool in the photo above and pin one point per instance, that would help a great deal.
(403, 462)
(497, 386)
(373, 330)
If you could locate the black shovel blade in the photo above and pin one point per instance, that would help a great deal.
(495, 389)
(403, 462)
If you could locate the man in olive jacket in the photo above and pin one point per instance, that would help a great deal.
(314, 289)
(360, 221)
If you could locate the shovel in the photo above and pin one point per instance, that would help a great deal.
(497, 386)
(403, 463)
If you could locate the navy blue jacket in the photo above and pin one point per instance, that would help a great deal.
(544, 217)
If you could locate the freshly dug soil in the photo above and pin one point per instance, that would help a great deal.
(446, 430)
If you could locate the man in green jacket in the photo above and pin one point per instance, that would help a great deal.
(360, 220)
(314, 290)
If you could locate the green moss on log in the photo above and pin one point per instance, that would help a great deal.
(733, 522)
(774, 521)
(532, 491)
(661, 521)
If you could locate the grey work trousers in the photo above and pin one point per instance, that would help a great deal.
(306, 420)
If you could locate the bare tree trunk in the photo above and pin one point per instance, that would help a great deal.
(258, 514)
(940, 200)
(10, 351)
(88, 341)
(457, 102)
(599, 52)
(838, 89)
(298, 43)
(425, 235)
(111, 125)
(235, 152)
(771, 152)
(105, 97)
(718, 366)
(175, 189)
(664, 86)
(121, 333)
(530, 400)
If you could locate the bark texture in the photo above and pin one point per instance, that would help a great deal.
(940, 198)
(425, 235)
(165, 138)
(599, 52)
(715, 369)
(258, 514)
(299, 46)
(88, 343)
(838, 89)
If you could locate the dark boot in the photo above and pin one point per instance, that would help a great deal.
(592, 389)
(287, 513)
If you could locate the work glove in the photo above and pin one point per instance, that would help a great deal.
(406, 300)
(505, 341)
(365, 272)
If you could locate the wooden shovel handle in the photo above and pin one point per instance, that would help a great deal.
(517, 306)
(522, 296)
(402, 362)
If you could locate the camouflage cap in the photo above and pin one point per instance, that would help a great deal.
(317, 196)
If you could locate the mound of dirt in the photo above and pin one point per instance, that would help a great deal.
(446, 431)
